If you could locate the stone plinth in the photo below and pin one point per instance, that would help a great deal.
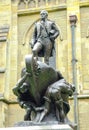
(45, 127)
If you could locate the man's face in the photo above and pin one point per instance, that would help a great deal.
(24, 88)
(43, 15)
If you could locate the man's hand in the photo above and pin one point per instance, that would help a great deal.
(26, 107)
(52, 37)
(28, 74)
(39, 108)
(73, 87)
(70, 92)
(32, 43)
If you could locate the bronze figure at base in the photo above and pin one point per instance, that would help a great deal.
(43, 92)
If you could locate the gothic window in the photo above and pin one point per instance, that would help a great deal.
(39, 3)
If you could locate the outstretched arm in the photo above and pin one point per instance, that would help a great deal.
(19, 83)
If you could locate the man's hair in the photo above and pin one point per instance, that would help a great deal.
(44, 11)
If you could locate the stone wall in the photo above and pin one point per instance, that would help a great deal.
(83, 106)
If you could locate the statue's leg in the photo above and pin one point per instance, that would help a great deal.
(46, 107)
(59, 105)
(37, 47)
(41, 112)
(47, 52)
(56, 95)
(27, 115)
(47, 99)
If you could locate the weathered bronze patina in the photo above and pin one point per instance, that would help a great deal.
(44, 35)
(43, 91)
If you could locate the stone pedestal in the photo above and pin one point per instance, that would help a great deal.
(43, 126)
(47, 127)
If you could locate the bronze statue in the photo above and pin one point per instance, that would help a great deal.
(58, 94)
(44, 36)
(44, 91)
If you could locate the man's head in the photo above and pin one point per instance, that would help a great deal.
(24, 88)
(44, 14)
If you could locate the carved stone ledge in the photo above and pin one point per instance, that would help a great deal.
(2, 70)
(2, 99)
(27, 4)
(84, 3)
(37, 10)
(3, 33)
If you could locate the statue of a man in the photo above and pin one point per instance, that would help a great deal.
(44, 36)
